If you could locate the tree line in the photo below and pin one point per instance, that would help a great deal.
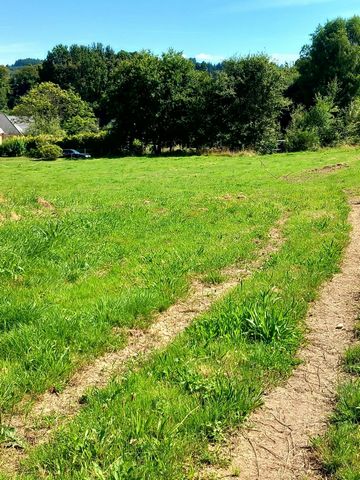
(164, 101)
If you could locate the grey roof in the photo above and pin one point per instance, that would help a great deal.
(12, 125)
(21, 123)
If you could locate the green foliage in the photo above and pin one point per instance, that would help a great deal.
(350, 121)
(339, 448)
(85, 69)
(4, 87)
(54, 110)
(38, 140)
(79, 124)
(169, 102)
(315, 127)
(134, 98)
(300, 140)
(13, 147)
(348, 406)
(98, 144)
(180, 92)
(257, 88)
(332, 55)
(164, 101)
(46, 151)
(25, 62)
(22, 80)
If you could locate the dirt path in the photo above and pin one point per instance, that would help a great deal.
(275, 444)
(98, 374)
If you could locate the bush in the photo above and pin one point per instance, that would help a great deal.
(47, 151)
(319, 126)
(297, 140)
(137, 148)
(34, 142)
(13, 147)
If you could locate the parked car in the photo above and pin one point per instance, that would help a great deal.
(71, 153)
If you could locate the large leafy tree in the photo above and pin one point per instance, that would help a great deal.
(334, 54)
(22, 80)
(85, 69)
(181, 88)
(133, 99)
(55, 111)
(251, 90)
(158, 100)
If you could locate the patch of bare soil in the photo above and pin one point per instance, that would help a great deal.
(166, 327)
(330, 168)
(15, 217)
(45, 204)
(276, 442)
(300, 177)
(228, 197)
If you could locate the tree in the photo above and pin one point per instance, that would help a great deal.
(4, 87)
(55, 111)
(85, 69)
(158, 100)
(334, 54)
(255, 100)
(24, 62)
(180, 100)
(134, 96)
(22, 80)
(220, 97)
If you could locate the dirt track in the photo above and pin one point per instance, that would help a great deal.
(166, 327)
(276, 442)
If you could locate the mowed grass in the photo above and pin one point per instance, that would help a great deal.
(123, 241)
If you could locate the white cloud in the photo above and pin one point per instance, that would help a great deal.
(282, 58)
(208, 57)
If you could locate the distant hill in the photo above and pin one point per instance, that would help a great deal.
(24, 62)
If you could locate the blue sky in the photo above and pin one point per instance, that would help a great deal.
(208, 29)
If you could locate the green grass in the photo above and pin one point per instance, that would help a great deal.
(339, 449)
(124, 241)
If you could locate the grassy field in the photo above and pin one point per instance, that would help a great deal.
(86, 246)
(339, 449)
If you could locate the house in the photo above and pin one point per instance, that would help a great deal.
(11, 126)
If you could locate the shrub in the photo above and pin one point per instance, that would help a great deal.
(137, 148)
(351, 122)
(299, 140)
(13, 147)
(34, 142)
(47, 151)
(319, 126)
